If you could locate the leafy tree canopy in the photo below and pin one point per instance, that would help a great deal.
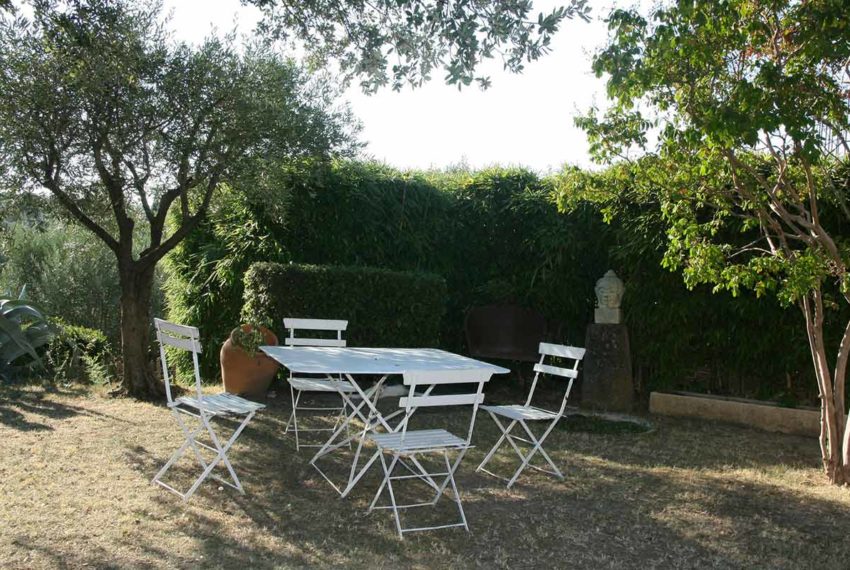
(749, 104)
(122, 125)
(401, 42)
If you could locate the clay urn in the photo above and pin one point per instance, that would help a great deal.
(245, 370)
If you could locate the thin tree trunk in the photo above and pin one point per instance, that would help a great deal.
(840, 409)
(831, 440)
(136, 288)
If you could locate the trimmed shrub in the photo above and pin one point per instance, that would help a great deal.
(383, 307)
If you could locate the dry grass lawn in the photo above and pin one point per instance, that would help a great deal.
(75, 492)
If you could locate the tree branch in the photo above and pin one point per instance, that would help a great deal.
(154, 253)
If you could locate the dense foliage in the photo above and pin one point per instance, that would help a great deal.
(72, 276)
(122, 124)
(688, 338)
(403, 41)
(747, 105)
(383, 307)
(495, 236)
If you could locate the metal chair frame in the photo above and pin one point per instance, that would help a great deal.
(300, 384)
(204, 408)
(520, 414)
(405, 444)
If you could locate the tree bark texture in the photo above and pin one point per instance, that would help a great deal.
(138, 379)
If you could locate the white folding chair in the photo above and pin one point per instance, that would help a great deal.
(405, 444)
(298, 385)
(519, 415)
(201, 407)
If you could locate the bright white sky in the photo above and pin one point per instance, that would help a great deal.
(524, 119)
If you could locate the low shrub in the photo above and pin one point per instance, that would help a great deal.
(78, 354)
(71, 274)
(383, 307)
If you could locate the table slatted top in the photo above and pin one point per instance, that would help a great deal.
(327, 360)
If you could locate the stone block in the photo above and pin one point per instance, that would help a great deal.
(607, 369)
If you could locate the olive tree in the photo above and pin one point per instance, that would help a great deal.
(748, 103)
(101, 108)
(402, 42)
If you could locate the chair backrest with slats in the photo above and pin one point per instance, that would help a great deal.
(324, 325)
(570, 354)
(182, 337)
(473, 378)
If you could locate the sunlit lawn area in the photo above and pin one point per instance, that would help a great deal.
(75, 487)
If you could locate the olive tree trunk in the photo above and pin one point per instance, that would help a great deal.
(138, 378)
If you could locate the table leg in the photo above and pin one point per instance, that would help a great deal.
(373, 420)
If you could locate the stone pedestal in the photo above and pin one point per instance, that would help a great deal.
(607, 369)
(607, 315)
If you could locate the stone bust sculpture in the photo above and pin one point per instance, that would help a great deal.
(609, 294)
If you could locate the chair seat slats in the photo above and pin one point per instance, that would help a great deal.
(418, 439)
(517, 412)
(221, 404)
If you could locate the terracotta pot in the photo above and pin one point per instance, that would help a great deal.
(245, 374)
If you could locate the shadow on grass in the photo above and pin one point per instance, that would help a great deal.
(18, 406)
(661, 499)
(689, 494)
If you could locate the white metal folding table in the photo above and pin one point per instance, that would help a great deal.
(359, 362)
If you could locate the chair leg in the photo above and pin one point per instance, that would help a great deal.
(292, 413)
(525, 459)
(296, 397)
(224, 459)
(380, 489)
(451, 470)
(498, 444)
(538, 446)
(342, 416)
(388, 477)
(221, 456)
(178, 453)
(424, 476)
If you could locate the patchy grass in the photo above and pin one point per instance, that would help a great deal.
(580, 423)
(75, 491)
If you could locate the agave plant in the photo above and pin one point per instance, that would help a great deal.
(23, 330)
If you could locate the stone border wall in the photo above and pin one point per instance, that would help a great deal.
(761, 415)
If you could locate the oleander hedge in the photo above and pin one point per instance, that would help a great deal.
(383, 307)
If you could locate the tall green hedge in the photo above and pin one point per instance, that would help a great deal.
(685, 339)
(494, 236)
(382, 307)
